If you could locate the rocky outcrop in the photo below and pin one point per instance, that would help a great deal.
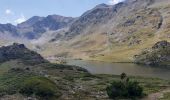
(20, 52)
(159, 54)
(161, 44)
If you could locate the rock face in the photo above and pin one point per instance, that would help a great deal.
(20, 52)
(159, 54)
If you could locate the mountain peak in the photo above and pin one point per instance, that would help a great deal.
(102, 5)
(30, 22)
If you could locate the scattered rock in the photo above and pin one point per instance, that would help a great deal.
(159, 54)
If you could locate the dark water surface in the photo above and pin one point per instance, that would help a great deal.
(117, 68)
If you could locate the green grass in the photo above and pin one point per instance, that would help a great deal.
(4, 67)
(11, 81)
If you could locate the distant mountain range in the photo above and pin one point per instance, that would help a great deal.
(107, 32)
(35, 26)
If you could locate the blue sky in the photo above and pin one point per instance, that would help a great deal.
(17, 11)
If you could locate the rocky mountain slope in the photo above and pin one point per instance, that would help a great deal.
(113, 32)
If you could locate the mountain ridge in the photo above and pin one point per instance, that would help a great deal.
(34, 27)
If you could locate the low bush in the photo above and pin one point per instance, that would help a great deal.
(124, 88)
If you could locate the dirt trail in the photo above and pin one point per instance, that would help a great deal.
(157, 95)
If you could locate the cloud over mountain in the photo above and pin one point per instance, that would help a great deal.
(113, 2)
(20, 19)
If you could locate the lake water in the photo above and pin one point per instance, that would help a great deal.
(118, 68)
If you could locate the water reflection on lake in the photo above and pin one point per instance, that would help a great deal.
(117, 68)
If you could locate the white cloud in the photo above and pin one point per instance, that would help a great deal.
(113, 2)
(20, 19)
(8, 12)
